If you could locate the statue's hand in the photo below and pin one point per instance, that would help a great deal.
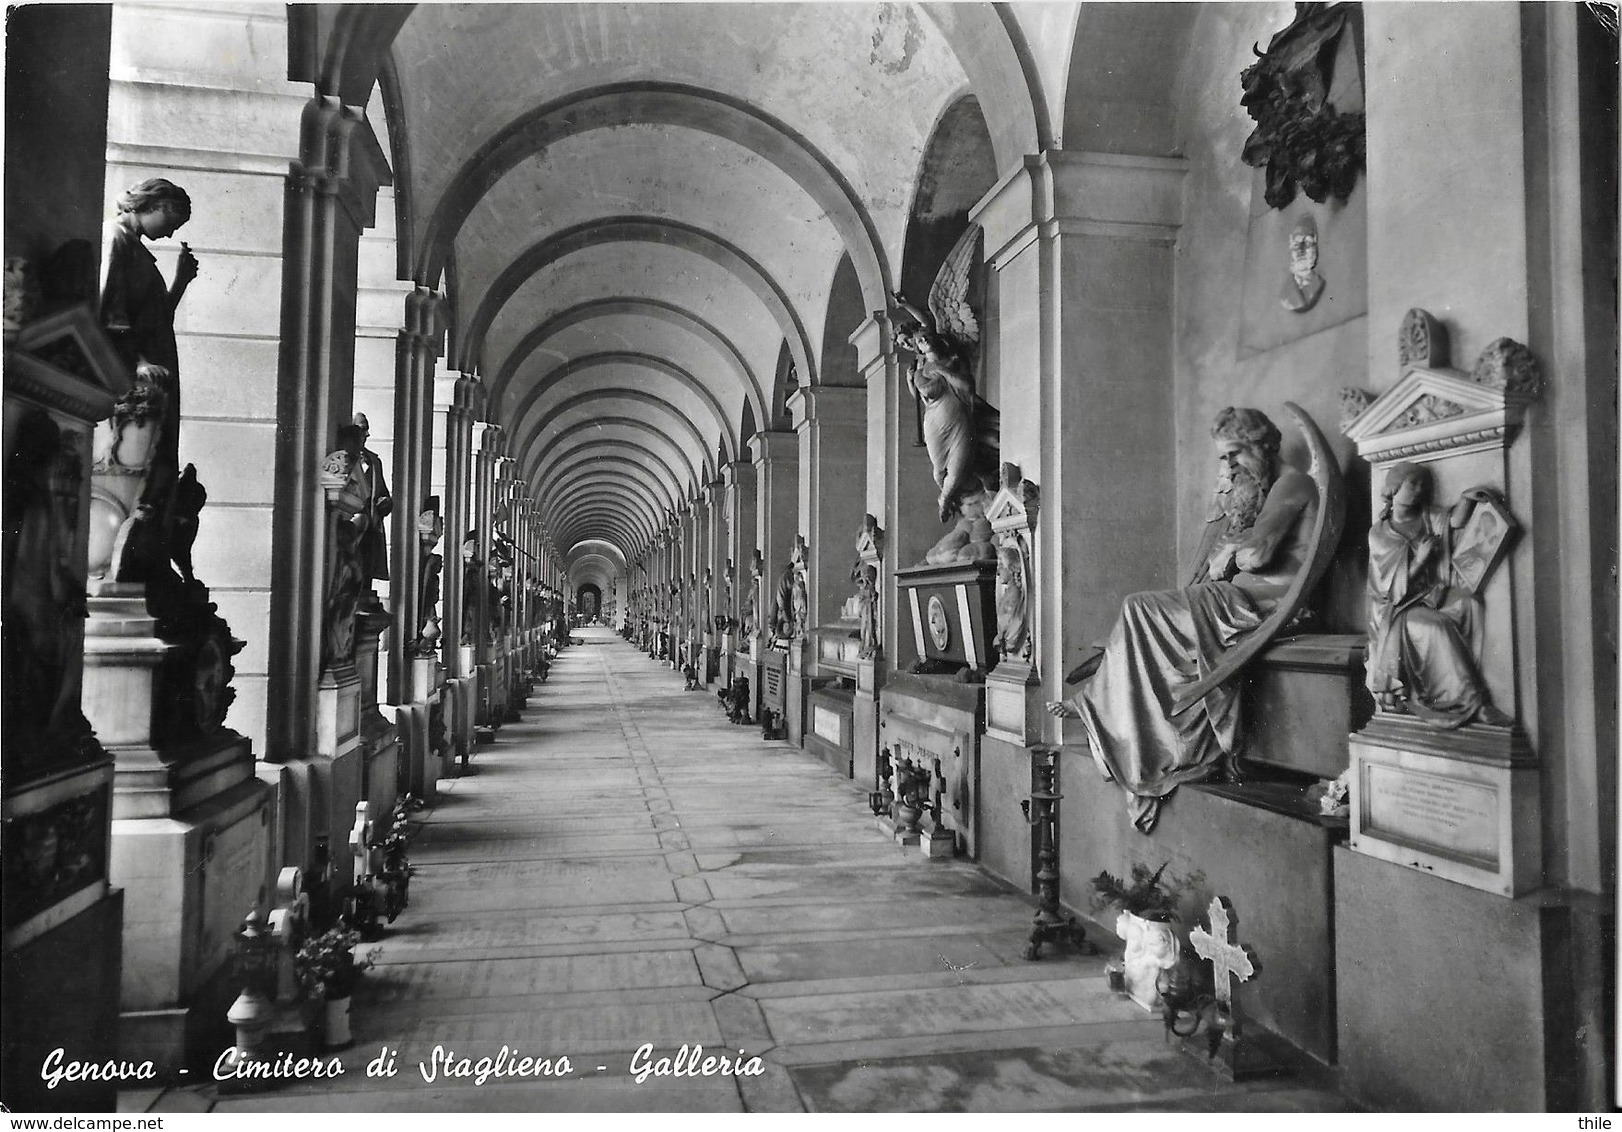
(153, 372)
(185, 266)
(1062, 709)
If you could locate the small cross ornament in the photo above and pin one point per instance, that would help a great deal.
(1228, 960)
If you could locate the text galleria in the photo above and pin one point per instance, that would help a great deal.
(689, 1061)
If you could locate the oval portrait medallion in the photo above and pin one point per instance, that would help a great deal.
(940, 629)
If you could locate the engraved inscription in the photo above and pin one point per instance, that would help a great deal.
(1452, 818)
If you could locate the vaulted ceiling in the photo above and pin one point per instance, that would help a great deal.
(638, 210)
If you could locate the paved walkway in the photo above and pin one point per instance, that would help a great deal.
(625, 867)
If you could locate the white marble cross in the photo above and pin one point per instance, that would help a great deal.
(1228, 960)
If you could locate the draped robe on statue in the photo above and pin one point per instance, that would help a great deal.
(1423, 638)
(1167, 639)
(140, 318)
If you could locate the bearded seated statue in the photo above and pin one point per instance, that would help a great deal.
(1157, 700)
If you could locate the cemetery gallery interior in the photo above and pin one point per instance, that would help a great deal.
(1092, 437)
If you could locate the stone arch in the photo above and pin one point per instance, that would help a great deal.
(730, 355)
(578, 491)
(668, 233)
(563, 434)
(549, 462)
(620, 393)
(625, 357)
(619, 468)
(673, 104)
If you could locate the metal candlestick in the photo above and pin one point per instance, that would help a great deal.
(1042, 811)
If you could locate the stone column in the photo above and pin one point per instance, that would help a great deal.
(776, 458)
(876, 362)
(467, 400)
(831, 422)
(416, 352)
(714, 558)
(739, 477)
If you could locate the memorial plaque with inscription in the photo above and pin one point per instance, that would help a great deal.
(774, 681)
(1455, 818)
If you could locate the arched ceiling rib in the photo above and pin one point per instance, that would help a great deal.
(624, 367)
(606, 311)
(622, 468)
(633, 229)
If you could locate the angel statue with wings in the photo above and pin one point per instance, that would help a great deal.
(960, 428)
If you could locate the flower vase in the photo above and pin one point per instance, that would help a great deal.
(337, 1035)
(1151, 947)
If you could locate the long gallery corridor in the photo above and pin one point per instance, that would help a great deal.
(625, 867)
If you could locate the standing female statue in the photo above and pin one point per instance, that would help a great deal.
(138, 310)
(1424, 632)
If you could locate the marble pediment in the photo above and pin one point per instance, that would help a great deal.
(1016, 503)
(1430, 412)
(66, 362)
(1434, 409)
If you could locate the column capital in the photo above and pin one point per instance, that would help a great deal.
(738, 471)
(1098, 194)
(470, 393)
(829, 404)
(774, 445)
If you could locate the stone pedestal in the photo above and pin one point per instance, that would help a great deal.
(829, 725)
(799, 690)
(190, 838)
(933, 723)
(336, 774)
(948, 613)
(773, 695)
(865, 723)
(1464, 805)
(1308, 692)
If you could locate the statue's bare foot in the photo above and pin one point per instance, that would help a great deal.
(1492, 717)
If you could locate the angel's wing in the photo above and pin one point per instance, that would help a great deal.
(949, 295)
(1325, 537)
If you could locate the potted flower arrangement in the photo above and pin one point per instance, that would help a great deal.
(1147, 909)
(327, 969)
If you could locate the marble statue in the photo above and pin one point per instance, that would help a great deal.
(430, 526)
(960, 428)
(374, 547)
(1159, 704)
(752, 614)
(866, 577)
(1424, 626)
(1012, 614)
(44, 594)
(799, 594)
(783, 628)
(724, 621)
(1303, 286)
(472, 579)
(346, 574)
(138, 310)
(706, 618)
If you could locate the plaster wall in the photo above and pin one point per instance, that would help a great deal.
(1213, 366)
